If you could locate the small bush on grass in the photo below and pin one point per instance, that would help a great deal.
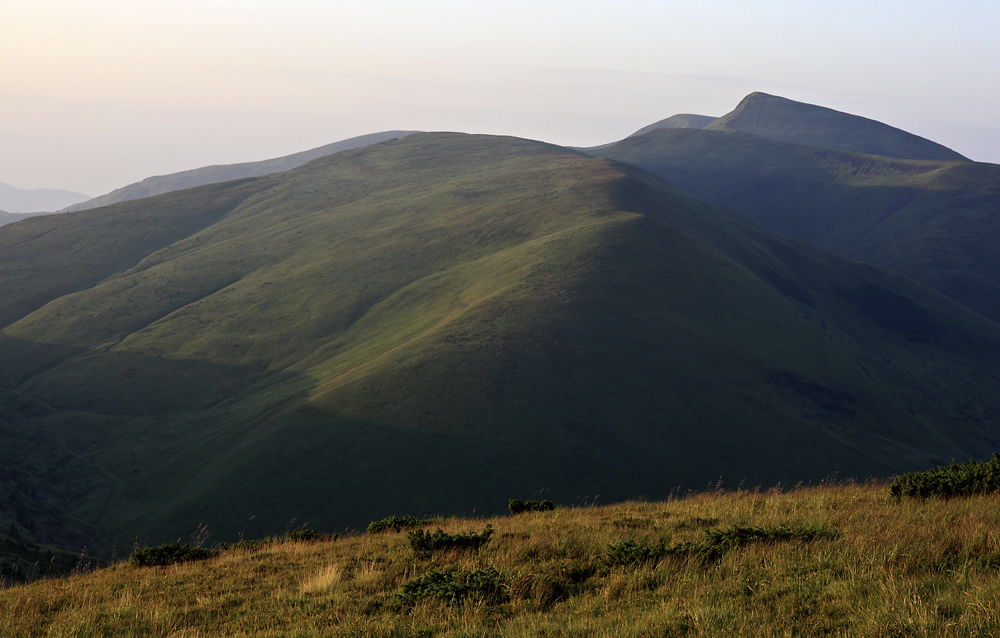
(169, 554)
(739, 535)
(425, 542)
(716, 542)
(518, 507)
(455, 587)
(957, 479)
(304, 534)
(633, 554)
(396, 524)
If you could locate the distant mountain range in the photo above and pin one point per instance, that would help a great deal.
(38, 200)
(440, 322)
(228, 172)
(678, 121)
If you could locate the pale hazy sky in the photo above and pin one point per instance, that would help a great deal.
(95, 94)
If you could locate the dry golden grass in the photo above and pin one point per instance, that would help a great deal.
(915, 568)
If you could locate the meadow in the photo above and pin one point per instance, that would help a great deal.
(838, 559)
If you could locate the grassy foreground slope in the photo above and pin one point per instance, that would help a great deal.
(430, 324)
(932, 221)
(838, 560)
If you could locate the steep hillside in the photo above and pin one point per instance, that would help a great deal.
(782, 119)
(433, 323)
(228, 172)
(934, 222)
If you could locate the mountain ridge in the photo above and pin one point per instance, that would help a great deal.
(414, 324)
(157, 185)
(786, 120)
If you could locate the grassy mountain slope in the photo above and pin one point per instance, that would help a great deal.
(782, 119)
(433, 322)
(228, 172)
(829, 560)
(933, 222)
(20, 200)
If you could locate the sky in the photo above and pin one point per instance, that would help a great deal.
(97, 94)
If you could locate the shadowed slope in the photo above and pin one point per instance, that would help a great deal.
(782, 119)
(934, 222)
(446, 320)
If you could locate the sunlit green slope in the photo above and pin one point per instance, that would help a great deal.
(443, 321)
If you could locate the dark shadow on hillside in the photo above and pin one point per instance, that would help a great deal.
(942, 233)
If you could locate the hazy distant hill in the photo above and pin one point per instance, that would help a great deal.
(683, 120)
(782, 119)
(227, 172)
(38, 200)
(934, 222)
(442, 322)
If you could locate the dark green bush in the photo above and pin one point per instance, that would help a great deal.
(304, 534)
(517, 507)
(396, 524)
(739, 535)
(168, 555)
(424, 542)
(716, 542)
(455, 587)
(633, 554)
(957, 479)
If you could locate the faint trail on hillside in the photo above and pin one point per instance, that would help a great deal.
(60, 423)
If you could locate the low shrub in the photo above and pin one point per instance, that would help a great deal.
(739, 535)
(633, 554)
(396, 524)
(425, 542)
(957, 479)
(518, 507)
(169, 554)
(455, 587)
(716, 542)
(304, 534)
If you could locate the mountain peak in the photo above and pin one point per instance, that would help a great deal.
(786, 120)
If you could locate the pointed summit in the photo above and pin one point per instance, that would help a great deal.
(782, 119)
